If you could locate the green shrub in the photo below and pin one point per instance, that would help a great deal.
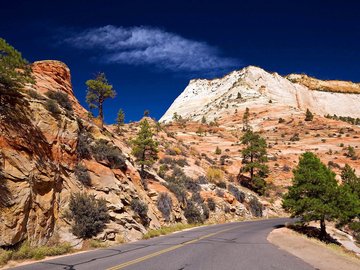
(89, 215)
(52, 106)
(217, 150)
(205, 210)
(164, 204)
(255, 207)
(178, 190)
(61, 98)
(83, 148)
(103, 151)
(141, 209)
(82, 174)
(35, 94)
(221, 184)
(191, 185)
(239, 195)
(192, 213)
(211, 204)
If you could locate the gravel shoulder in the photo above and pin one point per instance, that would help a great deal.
(314, 252)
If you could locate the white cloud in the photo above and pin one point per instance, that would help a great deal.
(151, 46)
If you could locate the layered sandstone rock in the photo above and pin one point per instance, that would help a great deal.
(38, 156)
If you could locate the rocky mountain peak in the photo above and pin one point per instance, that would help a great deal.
(253, 86)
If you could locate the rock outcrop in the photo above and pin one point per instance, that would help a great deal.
(39, 154)
(253, 86)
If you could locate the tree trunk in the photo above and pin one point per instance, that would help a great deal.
(101, 112)
(252, 168)
(322, 228)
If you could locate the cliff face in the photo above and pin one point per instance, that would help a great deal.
(39, 155)
(254, 87)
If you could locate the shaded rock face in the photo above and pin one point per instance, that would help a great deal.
(37, 160)
(254, 87)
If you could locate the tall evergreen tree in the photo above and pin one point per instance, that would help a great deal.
(120, 120)
(98, 90)
(144, 147)
(246, 125)
(15, 72)
(254, 160)
(350, 179)
(314, 194)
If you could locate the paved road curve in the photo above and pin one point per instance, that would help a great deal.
(239, 245)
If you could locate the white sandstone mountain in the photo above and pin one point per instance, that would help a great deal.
(253, 86)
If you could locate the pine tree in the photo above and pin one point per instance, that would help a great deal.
(309, 116)
(312, 196)
(146, 113)
(98, 90)
(15, 72)
(120, 120)
(144, 147)
(217, 150)
(254, 159)
(350, 179)
(246, 125)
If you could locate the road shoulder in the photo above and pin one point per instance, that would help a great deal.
(317, 254)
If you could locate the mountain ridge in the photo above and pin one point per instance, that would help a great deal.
(253, 86)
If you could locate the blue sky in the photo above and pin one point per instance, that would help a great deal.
(151, 49)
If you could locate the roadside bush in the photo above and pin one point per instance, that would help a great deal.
(141, 209)
(192, 213)
(211, 204)
(25, 251)
(102, 151)
(206, 211)
(82, 174)
(164, 204)
(239, 195)
(178, 190)
(89, 215)
(255, 207)
(191, 185)
(196, 197)
(61, 98)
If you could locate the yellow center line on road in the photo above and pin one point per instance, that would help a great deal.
(152, 255)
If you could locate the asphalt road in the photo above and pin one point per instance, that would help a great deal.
(239, 245)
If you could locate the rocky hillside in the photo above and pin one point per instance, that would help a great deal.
(254, 87)
(49, 150)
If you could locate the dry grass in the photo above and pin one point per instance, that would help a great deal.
(25, 251)
(168, 230)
